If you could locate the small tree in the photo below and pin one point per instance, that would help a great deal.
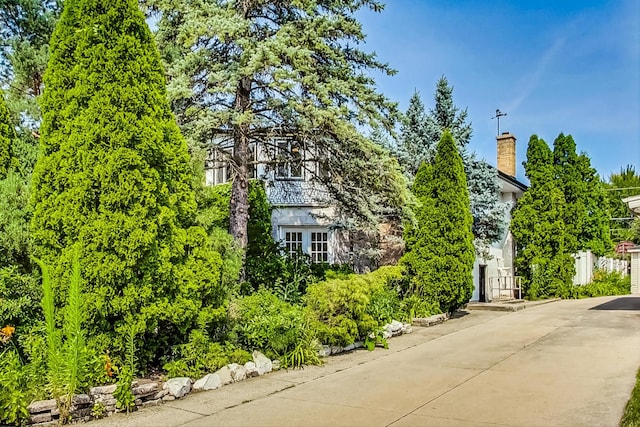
(440, 253)
(414, 145)
(113, 178)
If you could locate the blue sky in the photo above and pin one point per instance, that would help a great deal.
(552, 66)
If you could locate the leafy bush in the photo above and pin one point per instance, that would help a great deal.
(341, 307)
(201, 356)
(277, 328)
(604, 284)
(413, 306)
(15, 393)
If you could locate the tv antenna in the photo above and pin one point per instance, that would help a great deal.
(497, 116)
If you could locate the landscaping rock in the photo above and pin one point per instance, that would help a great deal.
(358, 344)
(252, 370)
(263, 363)
(208, 382)
(42, 406)
(238, 372)
(145, 389)
(335, 349)
(107, 400)
(168, 398)
(225, 375)
(324, 351)
(178, 387)
(275, 364)
(80, 400)
(160, 394)
(40, 418)
(386, 334)
(350, 347)
(105, 389)
(395, 326)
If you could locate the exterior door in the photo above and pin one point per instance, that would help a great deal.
(482, 271)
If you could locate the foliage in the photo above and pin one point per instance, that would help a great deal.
(340, 307)
(125, 400)
(200, 355)
(279, 329)
(14, 388)
(604, 284)
(420, 134)
(414, 145)
(623, 184)
(631, 415)
(67, 353)
(413, 306)
(7, 137)
(113, 177)
(586, 216)
(25, 29)
(270, 68)
(538, 226)
(439, 248)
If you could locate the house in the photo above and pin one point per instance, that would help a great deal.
(634, 205)
(302, 216)
(494, 276)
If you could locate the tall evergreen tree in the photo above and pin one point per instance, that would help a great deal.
(113, 179)
(419, 136)
(440, 253)
(414, 145)
(255, 70)
(538, 226)
(586, 215)
(7, 137)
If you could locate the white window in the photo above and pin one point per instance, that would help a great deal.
(313, 242)
(289, 160)
(319, 247)
(218, 166)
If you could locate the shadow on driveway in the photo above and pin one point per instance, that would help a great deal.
(625, 303)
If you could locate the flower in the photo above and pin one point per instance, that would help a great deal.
(6, 332)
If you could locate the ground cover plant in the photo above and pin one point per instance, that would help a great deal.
(631, 415)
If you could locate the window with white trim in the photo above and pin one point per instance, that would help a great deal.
(313, 242)
(289, 160)
(218, 166)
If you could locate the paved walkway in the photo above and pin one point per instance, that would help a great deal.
(568, 363)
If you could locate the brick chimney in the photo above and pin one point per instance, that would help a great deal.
(507, 153)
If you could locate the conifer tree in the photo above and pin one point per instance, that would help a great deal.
(586, 215)
(419, 136)
(7, 136)
(256, 70)
(440, 253)
(623, 184)
(414, 145)
(539, 229)
(113, 179)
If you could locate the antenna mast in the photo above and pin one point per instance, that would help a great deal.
(497, 116)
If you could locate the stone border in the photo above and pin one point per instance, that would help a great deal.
(152, 393)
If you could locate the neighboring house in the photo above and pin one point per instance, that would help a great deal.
(634, 206)
(302, 213)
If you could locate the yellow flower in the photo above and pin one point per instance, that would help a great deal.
(6, 332)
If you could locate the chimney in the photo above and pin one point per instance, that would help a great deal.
(507, 153)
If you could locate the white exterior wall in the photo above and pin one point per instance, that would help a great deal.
(635, 271)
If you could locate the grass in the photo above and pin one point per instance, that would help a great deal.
(631, 416)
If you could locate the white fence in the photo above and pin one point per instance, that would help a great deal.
(587, 263)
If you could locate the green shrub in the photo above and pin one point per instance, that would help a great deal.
(413, 306)
(604, 284)
(201, 356)
(341, 306)
(15, 394)
(279, 329)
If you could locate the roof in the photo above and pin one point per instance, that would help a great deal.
(634, 204)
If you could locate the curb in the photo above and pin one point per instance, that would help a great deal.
(508, 306)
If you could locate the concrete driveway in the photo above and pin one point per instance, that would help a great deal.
(568, 363)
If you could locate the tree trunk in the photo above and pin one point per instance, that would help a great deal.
(240, 188)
